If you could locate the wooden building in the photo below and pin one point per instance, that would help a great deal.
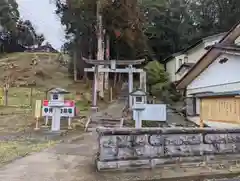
(216, 73)
(221, 107)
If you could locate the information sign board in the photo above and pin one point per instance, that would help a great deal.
(68, 110)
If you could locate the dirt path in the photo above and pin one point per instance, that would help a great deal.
(68, 161)
(65, 162)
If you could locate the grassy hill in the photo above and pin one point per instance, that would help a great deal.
(40, 71)
(34, 69)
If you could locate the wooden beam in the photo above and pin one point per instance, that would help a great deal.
(118, 62)
(126, 70)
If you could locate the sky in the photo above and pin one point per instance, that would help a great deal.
(41, 14)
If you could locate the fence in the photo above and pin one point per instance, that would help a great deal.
(20, 100)
(129, 148)
(21, 97)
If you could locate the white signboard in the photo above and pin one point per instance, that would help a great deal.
(152, 112)
(65, 111)
(55, 103)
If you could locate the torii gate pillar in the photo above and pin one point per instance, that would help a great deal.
(130, 85)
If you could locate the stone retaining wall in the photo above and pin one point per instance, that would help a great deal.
(129, 148)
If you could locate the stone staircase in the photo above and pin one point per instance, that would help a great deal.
(112, 116)
(124, 93)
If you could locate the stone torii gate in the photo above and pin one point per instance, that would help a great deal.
(113, 63)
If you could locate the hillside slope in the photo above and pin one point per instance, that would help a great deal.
(34, 69)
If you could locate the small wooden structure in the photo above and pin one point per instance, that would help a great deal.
(222, 107)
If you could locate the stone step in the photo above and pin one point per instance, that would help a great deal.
(114, 123)
(105, 121)
(105, 125)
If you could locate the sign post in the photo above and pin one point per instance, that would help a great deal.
(57, 107)
(66, 110)
(37, 113)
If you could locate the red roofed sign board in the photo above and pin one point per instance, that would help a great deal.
(67, 111)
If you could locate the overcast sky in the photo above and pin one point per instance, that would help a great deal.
(41, 14)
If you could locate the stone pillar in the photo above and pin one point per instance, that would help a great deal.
(69, 123)
(138, 121)
(95, 86)
(130, 85)
(46, 120)
(56, 119)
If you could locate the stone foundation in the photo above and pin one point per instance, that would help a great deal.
(130, 148)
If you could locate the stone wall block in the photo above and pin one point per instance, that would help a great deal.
(130, 148)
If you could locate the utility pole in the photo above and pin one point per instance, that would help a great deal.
(100, 49)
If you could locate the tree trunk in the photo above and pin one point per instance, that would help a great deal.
(107, 54)
(75, 65)
(100, 49)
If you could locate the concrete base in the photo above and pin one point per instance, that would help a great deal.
(94, 109)
(70, 128)
(36, 129)
(59, 133)
(45, 126)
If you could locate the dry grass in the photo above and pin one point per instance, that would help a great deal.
(12, 150)
(41, 69)
(18, 116)
(45, 73)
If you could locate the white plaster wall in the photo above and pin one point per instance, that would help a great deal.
(193, 56)
(177, 60)
(196, 53)
(237, 41)
(212, 40)
(218, 77)
(171, 69)
(178, 76)
(235, 86)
